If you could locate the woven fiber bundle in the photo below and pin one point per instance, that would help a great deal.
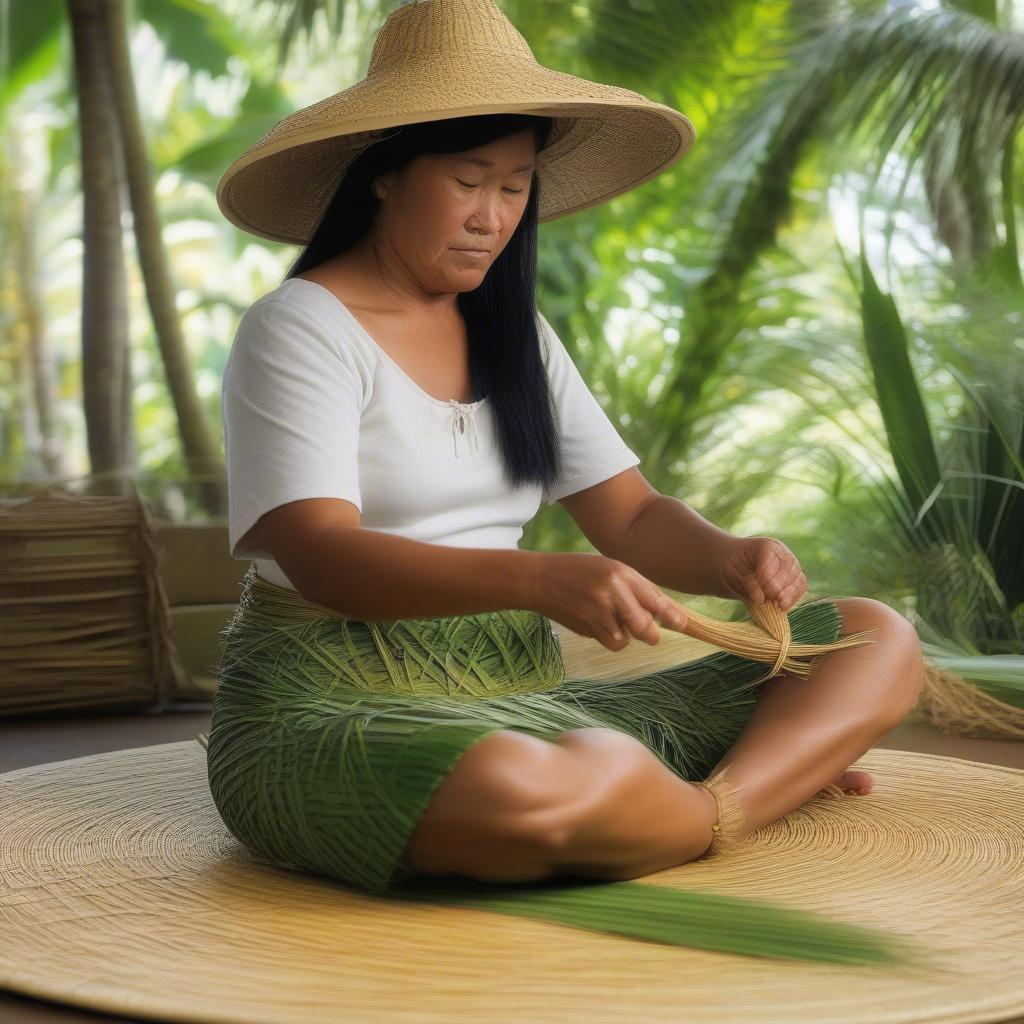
(86, 620)
(330, 735)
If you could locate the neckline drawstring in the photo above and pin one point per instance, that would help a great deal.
(461, 418)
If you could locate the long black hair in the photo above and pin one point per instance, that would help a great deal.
(505, 360)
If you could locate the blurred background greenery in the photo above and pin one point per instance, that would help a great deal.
(809, 328)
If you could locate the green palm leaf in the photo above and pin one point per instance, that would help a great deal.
(900, 403)
(679, 917)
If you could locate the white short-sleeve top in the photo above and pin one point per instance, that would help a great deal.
(313, 408)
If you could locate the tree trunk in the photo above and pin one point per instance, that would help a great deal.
(104, 306)
(199, 444)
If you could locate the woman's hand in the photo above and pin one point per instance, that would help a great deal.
(602, 598)
(760, 569)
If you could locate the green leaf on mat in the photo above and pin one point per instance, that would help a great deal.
(673, 916)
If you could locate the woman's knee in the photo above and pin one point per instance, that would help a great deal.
(546, 787)
(495, 814)
(514, 803)
(899, 637)
(603, 742)
(604, 763)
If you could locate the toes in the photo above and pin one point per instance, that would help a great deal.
(860, 782)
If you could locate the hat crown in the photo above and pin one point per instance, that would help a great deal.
(457, 30)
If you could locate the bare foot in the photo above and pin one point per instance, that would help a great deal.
(854, 783)
(859, 782)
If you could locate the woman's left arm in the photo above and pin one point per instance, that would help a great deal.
(674, 546)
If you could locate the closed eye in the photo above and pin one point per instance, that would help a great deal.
(467, 184)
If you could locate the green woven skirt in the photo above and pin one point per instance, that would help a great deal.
(330, 735)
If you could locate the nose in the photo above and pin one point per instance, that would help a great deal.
(486, 219)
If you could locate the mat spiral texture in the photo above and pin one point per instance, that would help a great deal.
(121, 891)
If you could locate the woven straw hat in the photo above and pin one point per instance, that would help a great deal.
(437, 59)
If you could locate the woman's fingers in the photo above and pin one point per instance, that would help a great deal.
(619, 624)
(794, 592)
(785, 588)
(646, 608)
(786, 593)
(635, 607)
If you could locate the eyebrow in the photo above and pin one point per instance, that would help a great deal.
(490, 163)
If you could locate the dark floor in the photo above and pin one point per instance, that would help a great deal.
(28, 741)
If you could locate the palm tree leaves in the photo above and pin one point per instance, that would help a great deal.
(899, 399)
(969, 569)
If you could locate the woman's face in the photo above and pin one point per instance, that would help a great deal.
(441, 203)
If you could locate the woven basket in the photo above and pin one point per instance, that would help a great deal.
(86, 621)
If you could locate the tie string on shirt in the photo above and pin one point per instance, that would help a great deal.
(461, 420)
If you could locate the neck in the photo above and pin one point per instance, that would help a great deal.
(382, 275)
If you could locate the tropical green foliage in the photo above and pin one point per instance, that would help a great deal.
(856, 394)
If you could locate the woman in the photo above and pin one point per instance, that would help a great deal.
(393, 698)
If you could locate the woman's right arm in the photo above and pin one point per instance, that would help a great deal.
(371, 575)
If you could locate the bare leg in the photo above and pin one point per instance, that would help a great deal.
(805, 731)
(596, 802)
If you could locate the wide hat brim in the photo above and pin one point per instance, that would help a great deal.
(121, 890)
(606, 140)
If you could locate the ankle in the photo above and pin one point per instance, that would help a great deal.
(710, 818)
(729, 818)
(710, 803)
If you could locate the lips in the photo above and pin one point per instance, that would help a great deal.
(473, 250)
